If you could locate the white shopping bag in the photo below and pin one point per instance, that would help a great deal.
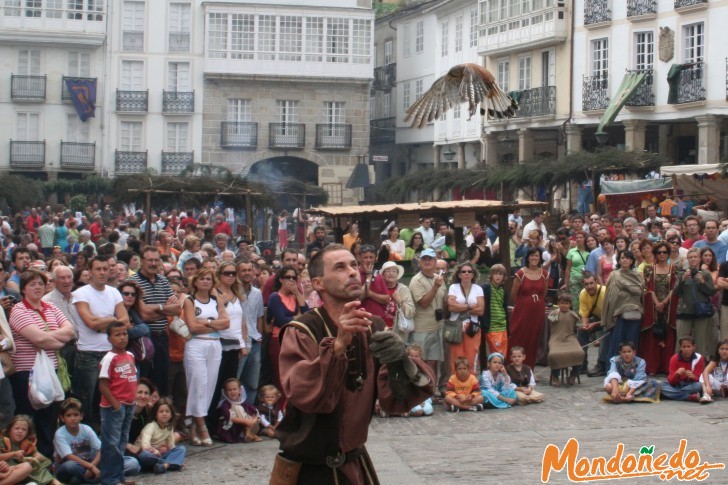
(44, 387)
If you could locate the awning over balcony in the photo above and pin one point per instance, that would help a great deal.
(630, 83)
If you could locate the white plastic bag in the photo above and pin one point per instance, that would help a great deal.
(44, 387)
(404, 324)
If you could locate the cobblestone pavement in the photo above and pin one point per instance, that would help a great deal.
(495, 446)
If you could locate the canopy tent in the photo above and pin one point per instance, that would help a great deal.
(623, 194)
(704, 181)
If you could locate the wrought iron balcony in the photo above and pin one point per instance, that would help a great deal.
(27, 88)
(382, 130)
(595, 93)
(78, 155)
(65, 95)
(385, 77)
(130, 162)
(336, 136)
(645, 94)
(173, 163)
(636, 8)
(689, 3)
(286, 135)
(179, 42)
(596, 11)
(537, 102)
(691, 84)
(238, 134)
(132, 101)
(178, 101)
(27, 154)
(133, 40)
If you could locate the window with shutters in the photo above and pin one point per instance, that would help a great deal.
(524, 73)
(239, 110)
(334, 112)
(132, 75)
(79, 64)
(287, 111)
(178, 137)
(291, 38)
(419, 36)
(600, 58)
(242, 36)
(178, 77)
(266, 37)
(337, 40)
(133, 18)
(388, 52)
(361, 39)
(504, 74)
(459, 34)
(474, 27)
(693, 43)
(76, 130)
(644, 50)
(444, 34)
(314, 39)
(456, 112)
(419, 84)
(131, 136)
(386, 105)
(217, 35)
(406, 95)
(29, 62)
(407, 40)
(179, 27)
(548, 68)
(27, 126)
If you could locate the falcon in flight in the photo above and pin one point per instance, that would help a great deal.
(464, 82)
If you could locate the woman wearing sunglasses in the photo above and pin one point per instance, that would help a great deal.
(657, 339)
(131, 294)
(466, 303)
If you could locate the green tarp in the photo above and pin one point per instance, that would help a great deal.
(630, 83)
(673, 80)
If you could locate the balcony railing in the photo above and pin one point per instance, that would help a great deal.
(27, 88)
(179, 42)
(238, 134)
(595, 93)
(691, 84)
(336, 136)
(27, 154)
(78, 155)
(65, 95)
(689, 3)
(130, 162)
(133, 40)
(596, 11)
(385, 77)
(537, 102)
(132, 101)
(178, 101)
(645, 94)
(382, 130)
(286, 135)
(173, 163)
(636, 8)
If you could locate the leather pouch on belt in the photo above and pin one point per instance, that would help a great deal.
(285, 472)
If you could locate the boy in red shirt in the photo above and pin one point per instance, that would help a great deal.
(117, 384)
(686, 367)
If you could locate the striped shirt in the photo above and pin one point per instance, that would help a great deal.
(497, 313)
(155, 293)
(22, 316)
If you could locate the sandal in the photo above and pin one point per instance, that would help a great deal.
(194, 439)
(205, 441)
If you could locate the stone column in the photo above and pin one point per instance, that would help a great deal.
(491, 148)
(634, 135)
(573, 138)
(525, 145)
(663, 132)
(436, 155)
(708, 139)
(461, 154)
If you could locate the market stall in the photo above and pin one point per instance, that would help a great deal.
(638, 194)
(701, 182)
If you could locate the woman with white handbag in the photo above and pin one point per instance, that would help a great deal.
(400, 309)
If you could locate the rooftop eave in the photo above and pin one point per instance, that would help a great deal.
(524, 46)
(52, 38)
(232, 76)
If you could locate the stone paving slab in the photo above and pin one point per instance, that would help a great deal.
(495, 446)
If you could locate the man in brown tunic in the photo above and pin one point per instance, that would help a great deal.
(332, 369)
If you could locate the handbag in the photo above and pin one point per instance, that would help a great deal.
(142, 348)
(701, 309)
(7, 363)
(404, 324)
(472, 329)
(63, 376)
(659, 329)
(180, 327)
(452, 331)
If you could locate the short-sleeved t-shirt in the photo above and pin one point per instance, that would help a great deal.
(578, 261)
(101, 304)
(84, 445)
(120, 370)
(424, 318)
(456, 291)
(23, 316)
(586, 302)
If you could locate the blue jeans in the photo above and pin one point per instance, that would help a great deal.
(680, 393)
(624, 331)
(160, 372)
(174, 458)
(114, 436)
(84, 384)
(249, 372)
(72, 472)
(585, 199)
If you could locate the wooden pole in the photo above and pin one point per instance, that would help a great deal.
(248, 216)
(149, 217)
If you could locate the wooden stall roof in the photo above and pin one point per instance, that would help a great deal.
(425, 207)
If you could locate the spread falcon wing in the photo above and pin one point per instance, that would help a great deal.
(464, 82)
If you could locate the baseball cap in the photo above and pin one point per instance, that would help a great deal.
(428, 253)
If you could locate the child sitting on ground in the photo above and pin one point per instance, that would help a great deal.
(239, 421)
(522, 377)
(463, 391)
(564, 348)
(269, 410)
(627, 380)
(715, 375)
(18, 447)
(686, 367)
(424, 409)
(76, 446)
(498, 390)
(159, 452)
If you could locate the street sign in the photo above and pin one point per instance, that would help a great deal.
(380, 158)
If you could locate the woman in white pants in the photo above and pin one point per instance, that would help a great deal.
(205, 316)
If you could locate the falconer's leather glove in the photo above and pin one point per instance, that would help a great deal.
(389, 349)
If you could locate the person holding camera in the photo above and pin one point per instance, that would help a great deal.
(694, 288)
(576, 259)
(428, 291)
(466, 303)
